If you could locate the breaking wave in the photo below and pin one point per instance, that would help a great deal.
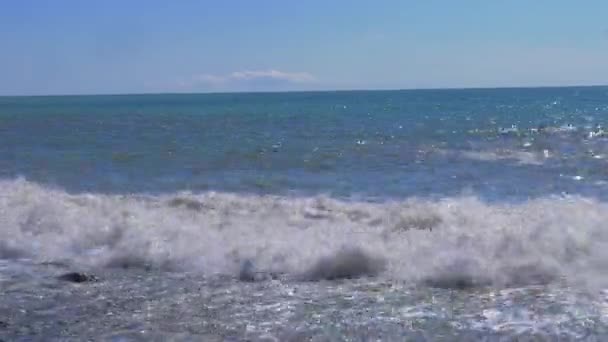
(454, 242)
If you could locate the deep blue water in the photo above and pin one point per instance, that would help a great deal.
(428, 143)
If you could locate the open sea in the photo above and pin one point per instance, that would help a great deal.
(439, 215)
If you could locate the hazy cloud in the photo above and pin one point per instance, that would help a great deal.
(246, 77)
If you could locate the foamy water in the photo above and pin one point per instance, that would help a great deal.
(541, 240)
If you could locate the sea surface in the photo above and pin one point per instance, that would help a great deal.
(439, 215)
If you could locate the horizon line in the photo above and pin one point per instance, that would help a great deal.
(345, 90)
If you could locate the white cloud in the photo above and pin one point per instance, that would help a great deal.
(248, 76)
(294, 77)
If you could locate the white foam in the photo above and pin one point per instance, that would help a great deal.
(215, 232)
(521, 157)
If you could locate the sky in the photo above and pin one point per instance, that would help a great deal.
(52, 47)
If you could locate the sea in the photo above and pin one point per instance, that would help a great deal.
(411, 215)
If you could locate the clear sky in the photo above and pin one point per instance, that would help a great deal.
(143, 46)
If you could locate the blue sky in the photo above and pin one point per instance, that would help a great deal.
(137, 46)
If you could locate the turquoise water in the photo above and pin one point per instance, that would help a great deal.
(462, 214)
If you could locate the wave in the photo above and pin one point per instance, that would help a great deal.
(453, 242)
(520, 157)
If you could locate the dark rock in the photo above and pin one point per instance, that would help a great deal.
(460, 274)
(77, 277)
(247, 271)
(345, 264)
(457, 281)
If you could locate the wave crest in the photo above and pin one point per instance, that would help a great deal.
(452, 242)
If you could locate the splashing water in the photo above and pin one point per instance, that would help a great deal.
(412, 240)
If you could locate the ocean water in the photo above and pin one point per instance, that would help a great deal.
(325, 216)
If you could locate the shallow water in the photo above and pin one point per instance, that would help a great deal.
(437, 215)
(149, 305)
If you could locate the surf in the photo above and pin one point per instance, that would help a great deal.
(446, 242)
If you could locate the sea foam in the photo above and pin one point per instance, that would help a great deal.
(453, 242)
